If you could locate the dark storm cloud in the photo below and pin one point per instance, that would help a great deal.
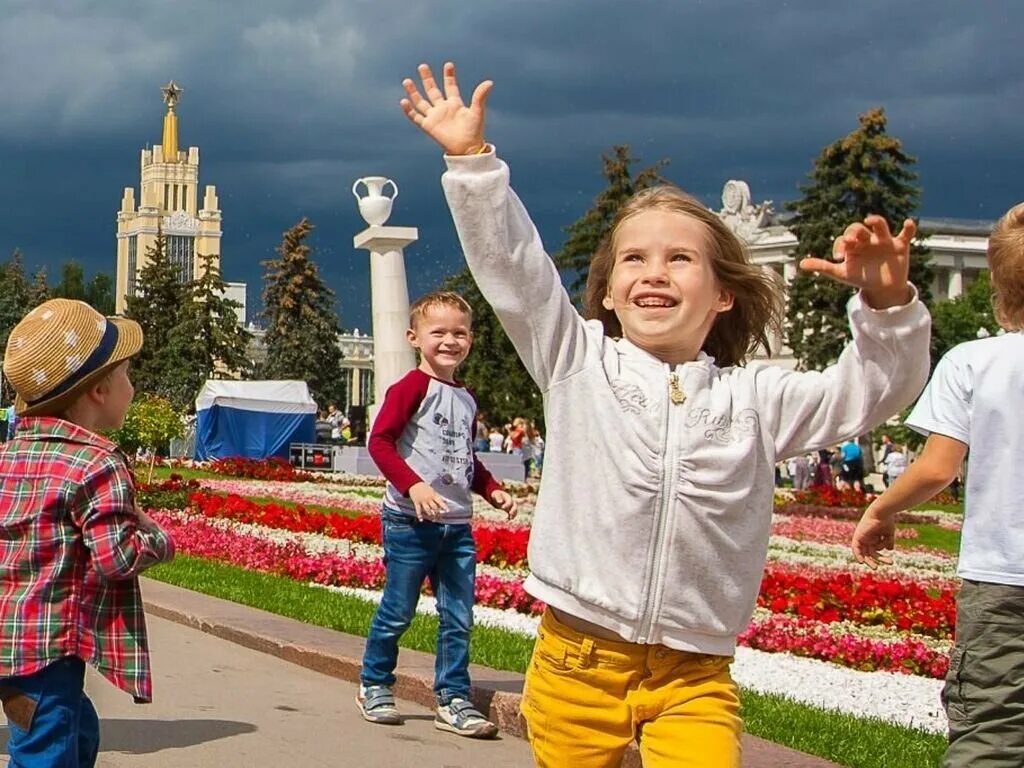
(290, 103)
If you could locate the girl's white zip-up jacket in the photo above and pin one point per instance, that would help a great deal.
(653, 516)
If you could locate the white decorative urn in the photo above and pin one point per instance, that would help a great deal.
(375, 206)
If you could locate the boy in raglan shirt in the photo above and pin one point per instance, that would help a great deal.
(422, 441)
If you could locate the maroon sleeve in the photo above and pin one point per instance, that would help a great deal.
(401, 401)
(483, 481)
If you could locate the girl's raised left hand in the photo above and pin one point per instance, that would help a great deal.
(868, 257)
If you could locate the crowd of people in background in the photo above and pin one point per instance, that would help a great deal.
(843, 467)
(520, 437)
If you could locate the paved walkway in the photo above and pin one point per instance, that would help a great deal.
(219, 704)
(235, 686)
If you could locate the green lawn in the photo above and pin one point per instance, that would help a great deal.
(929, 506)
(932, 536)
(849, 741)
(164, 473)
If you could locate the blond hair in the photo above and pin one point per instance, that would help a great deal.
(1006, 264)
(438, 299)
(757, 295)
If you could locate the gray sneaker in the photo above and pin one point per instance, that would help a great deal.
(377, 703)
(461, 717)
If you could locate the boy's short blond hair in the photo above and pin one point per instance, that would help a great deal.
(438, 299)
(1006, 262)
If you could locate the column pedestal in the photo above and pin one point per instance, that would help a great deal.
(389, 296)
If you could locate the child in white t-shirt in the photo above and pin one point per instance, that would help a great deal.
(975, 400)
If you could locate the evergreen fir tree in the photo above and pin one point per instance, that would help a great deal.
(302, 327)
(156, 307)
(14, 305)
(585, 234)
(493, 370)
(208, 342)
(38, 290)
(865, 172)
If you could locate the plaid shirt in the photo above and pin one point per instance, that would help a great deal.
(71, 549)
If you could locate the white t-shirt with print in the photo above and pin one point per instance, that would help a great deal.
(976, 396)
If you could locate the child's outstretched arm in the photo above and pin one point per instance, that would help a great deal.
(931, 473)
(880, 371)
(501, 245)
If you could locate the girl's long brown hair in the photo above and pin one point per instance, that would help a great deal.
(758, 299)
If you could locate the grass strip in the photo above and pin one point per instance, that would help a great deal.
(844, 739)
(164, 473)
(932, 536)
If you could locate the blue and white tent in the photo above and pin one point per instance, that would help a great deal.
(255, 419)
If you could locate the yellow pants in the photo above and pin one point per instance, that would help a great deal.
(586, 699)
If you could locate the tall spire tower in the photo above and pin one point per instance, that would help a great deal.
(168, 203)
(171, 93)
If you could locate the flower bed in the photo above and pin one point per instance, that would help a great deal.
(498, 545)
(823, 529)
(864, 598)
(865, 632)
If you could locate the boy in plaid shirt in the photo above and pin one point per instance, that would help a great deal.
(72, 540)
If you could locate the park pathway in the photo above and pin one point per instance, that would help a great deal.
(219, 704)
(236, 686)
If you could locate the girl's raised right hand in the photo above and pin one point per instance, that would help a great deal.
(443, 116)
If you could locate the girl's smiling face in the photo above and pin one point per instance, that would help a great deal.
(662, 286)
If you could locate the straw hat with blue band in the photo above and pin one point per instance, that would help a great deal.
(59, 349)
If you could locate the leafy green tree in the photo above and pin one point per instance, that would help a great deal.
(302, 326)
(14, 304)
(151, 423)
(586, 233)
(100, 293)
(493, 369)
(865, 172)
(72, 282)
(156, 306)
(958, 320)
(208, 339)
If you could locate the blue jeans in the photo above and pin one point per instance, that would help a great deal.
(446, 555)
(51, 721)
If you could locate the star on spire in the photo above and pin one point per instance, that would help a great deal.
(172, 93)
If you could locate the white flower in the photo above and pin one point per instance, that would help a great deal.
(74, 362)
(39, 376)
(19, 342)
(71, 338)
(47, 314)
(101, 325)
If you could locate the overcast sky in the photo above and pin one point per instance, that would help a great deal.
(289, 103)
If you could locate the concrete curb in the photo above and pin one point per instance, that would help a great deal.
(494, 692)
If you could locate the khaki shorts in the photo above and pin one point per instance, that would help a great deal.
(984, 690)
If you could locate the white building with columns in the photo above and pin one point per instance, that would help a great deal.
(956, 247)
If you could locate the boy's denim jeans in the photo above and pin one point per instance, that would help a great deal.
(446, 555)
(51, 721)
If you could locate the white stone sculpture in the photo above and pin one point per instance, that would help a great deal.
(740, 215)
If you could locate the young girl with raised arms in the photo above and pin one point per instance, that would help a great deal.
(651, 529)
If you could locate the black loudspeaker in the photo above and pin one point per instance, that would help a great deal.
(357, 423)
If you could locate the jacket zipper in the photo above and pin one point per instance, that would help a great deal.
(673, 396)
